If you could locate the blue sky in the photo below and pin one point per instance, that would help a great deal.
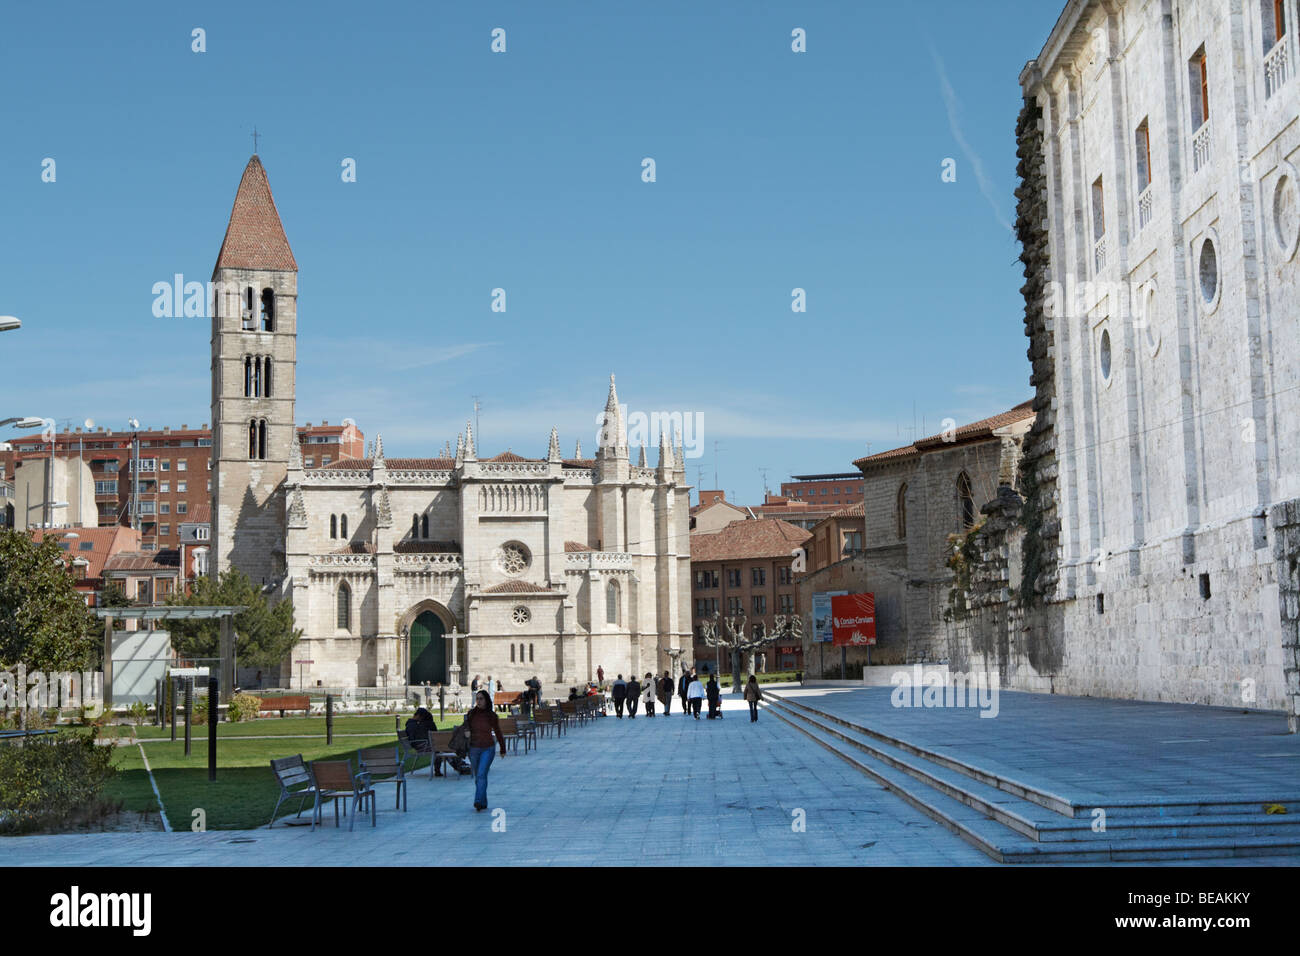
(522, 171)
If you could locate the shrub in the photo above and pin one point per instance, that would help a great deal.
(200, 709)
(53, 783)
(138, 712)
(243, 707)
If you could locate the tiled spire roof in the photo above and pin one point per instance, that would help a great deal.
(254, 237)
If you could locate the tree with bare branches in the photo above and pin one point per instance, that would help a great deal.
(739, 643)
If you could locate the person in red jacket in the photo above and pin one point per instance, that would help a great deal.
(483, 724)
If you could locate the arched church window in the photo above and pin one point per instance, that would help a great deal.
(334, 526)
(512, 652)
(261, 439)
(530, 653)
(611, 603)
(965, 501)
(424, 527)
(257, 377)
(415, 527)
(248, 377)
(266, 377)
(247, 310)
(343, 526)
(344, 607)
(252, 439)
(268, 309)
(901, 511)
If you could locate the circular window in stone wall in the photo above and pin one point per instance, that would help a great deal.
(513, 558)
(1207, 268)
(1286, 212)
(521, 615)
(1105, 355)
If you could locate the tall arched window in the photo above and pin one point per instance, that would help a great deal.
(252, 439)
(611, 603)
(343, 526)
(334, 526)
(266, 377)
(248, 377)
(247, 317)
(424, 527)
(257, 377)
(965, 501)
(415, 527)
(901, 512)
(261, 439)
(268, 309)
(512, 652)
(345, 607)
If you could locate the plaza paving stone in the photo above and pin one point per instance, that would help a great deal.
(658, 792)
(1090, 749)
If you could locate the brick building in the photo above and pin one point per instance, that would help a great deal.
(175, 475)
(840, 489)
(746, 568)
(88, 551)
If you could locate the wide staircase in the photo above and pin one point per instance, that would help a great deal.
(1015, 822)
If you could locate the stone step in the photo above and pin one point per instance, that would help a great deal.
(1140, 807)
(1042, 825)
(1006, 845)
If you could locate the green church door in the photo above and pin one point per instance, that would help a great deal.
(428, 650)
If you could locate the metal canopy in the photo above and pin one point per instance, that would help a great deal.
(169, 612)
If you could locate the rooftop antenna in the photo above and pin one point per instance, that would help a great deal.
(763, 472)
(716, 445)
(255, 135)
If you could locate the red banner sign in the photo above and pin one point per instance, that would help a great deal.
(853, 620)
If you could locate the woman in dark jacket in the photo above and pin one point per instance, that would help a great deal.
(483, 724)
(714, 693)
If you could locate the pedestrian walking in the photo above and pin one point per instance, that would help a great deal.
(666, 690)
(633, 696)
(483, 725)
(714, 693)
(695, 694)
(473, 685)
(683, 684)
(648, 694)
(753, 695)
(619, 695)
(600, 677)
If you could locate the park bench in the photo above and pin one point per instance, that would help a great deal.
(383, 765)
(291, 772)
(512, 733)
(269, 705)
(335, 781)
(440, 747)
(506, 698)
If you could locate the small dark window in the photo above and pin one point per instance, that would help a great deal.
(266, 378)
(268, 309)
(1101, 604)
(512, 653)
(530, 653)
(343, 526)
(424, 526)
(965, 500)
(1205, 587)
(415, 526)
(334, 526)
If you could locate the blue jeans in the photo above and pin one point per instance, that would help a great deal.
(480, 758)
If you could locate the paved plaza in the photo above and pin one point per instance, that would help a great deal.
(676, 791)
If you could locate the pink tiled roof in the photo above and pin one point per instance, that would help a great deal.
(573, 547)
(516, 587)
(255, 238)
(983, 428)
(760, 538)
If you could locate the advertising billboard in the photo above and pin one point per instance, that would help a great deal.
(821, 614)
(853, 620)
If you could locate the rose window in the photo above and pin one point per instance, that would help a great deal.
(514, 558)
(521, 615)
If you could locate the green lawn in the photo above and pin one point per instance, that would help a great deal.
(285, 727)
(245, 789)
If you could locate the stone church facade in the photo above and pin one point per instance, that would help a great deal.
(1152, 551)
(403, 570)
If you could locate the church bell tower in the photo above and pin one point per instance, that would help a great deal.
(254, 360)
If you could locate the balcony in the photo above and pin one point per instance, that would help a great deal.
(1099, 255)
(1277, 68)
(1201, 146)
(1144, 207)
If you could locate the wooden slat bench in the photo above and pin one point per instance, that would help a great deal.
(270, 705)
(506, 698)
